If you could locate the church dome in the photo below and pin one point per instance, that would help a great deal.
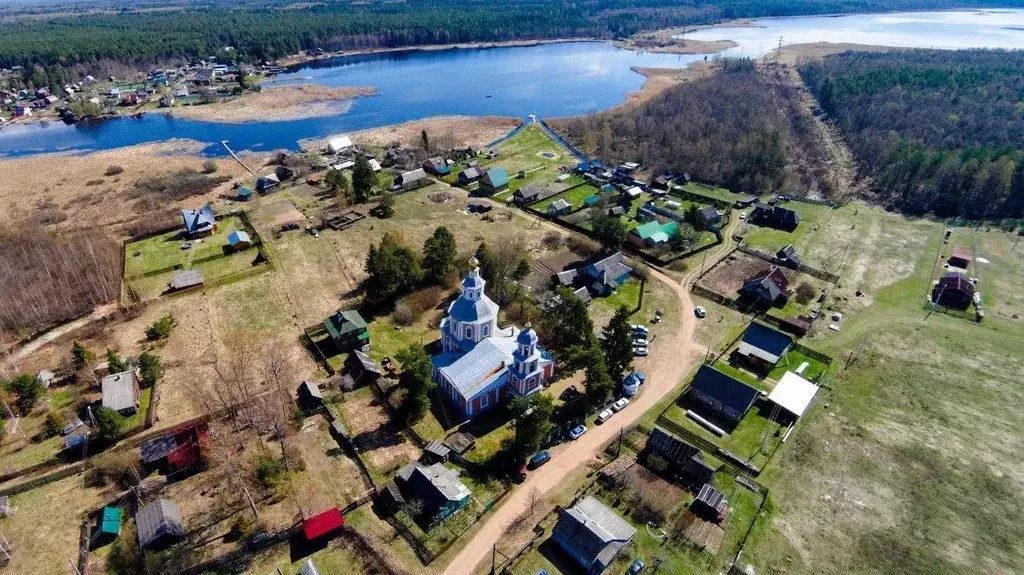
(473, 280)
(467, 310)
(527, 336)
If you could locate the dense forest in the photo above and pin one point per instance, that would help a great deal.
(53, 48)
(736, 128)
(936, 131)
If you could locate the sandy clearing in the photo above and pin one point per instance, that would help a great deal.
(669, 45)
(276, 103)
(795, 53)
(474, 131)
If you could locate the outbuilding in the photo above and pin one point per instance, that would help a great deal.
(793, 393)
(763, 346)
(239, 240)
(323, 526)
(159, 525)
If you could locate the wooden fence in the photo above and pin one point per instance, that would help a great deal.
(802, 268)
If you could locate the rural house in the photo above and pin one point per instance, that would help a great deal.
(528, 194)
(766, 289)
(592, 534)
(708, 216)
(411, 178)
(437, 166)
(347, 330)
(953, 290)
(685, 462)
(493, 182)
(469, 175)
(121, 392)
(652, 233)
(600, 278)
(264, 184)
(199, 223)
(788, 257)
(361, 368)
(776, 217)
(436, 486)
(339, 145)
(762, 347)
(720, 398)
(159, 525)
(481, 365)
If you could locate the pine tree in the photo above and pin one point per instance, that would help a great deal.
(363, 179)
(416, 380)
(114, 362)
(80, 356)
(597, 381)
(533, 421)
(618, 343)
(439, 253)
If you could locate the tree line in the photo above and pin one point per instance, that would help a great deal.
(727, 129)
(54, 50)
(936, 131)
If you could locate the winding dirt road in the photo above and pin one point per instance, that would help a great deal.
(673, 356)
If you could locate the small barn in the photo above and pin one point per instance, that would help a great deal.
(239, 240)
(159, 525)
(323, 526)
(961, 257)
(685, 462)
(708, 216)
(184, 279)
(310, 398)
(362, 368)
(411, 178)
(244, 194)
(108, 526)
(793, 394)
(559, 207)
(121, 392)
(709, 504)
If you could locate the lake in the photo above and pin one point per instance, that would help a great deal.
(550, 80)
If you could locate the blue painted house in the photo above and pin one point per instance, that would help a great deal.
(436, 486)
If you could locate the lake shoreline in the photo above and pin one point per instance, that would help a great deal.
(275, 104)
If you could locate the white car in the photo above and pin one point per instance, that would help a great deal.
(620, 404)
(700, 312)
(640, 351)
(639, 342)
(743, 215)
(578, 431)
(605, 415)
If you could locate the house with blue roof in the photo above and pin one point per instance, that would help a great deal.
(493, 182)
(763, 346)
(239, 240)
(481, 365)
(199, 223)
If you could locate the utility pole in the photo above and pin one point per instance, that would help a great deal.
(73, 566)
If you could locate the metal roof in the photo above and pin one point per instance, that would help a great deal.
(119, 390)
(200, 220)
(726, 389)
(480, 367)
(158, 519)
(185, 279)
(496, 177)
(434, 483)
(793, 393)
(592, 531)
(767, 339)
(237, 236)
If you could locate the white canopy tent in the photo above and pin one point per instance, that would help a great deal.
(793, 393)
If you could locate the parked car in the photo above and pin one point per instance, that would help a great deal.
(620, 404)
(636, 567)
(640, 351)
(640, 329)
(578, 431)
(639, 342)
(605, 415)
(700, 312)
(539, 459)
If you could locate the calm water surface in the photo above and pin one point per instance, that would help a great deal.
(548, 80)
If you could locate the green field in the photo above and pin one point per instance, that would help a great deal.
(769, 239)
(714, 192)
(913, 465)
(574, 196)
(523, 152)
(753, 440)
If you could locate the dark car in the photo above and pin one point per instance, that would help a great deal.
(539, 459)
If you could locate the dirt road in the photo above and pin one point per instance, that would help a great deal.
(57, 332)
(673, 356)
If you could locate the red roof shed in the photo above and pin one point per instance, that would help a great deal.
(323, 524)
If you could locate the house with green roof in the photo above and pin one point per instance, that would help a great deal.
(108, 527)
(347, 329)
(653, 233)
(493, 182)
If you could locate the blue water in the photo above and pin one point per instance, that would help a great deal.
(549, 80)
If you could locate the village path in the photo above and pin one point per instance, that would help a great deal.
(29, 348)
(675, 355)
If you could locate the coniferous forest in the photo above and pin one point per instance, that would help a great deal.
(79, 37)
(936, 131)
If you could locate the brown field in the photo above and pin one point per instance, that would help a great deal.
(277, 103)
(89, 198)
(378, 439)
(728, 276)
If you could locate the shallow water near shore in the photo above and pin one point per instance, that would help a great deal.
(550, 80)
